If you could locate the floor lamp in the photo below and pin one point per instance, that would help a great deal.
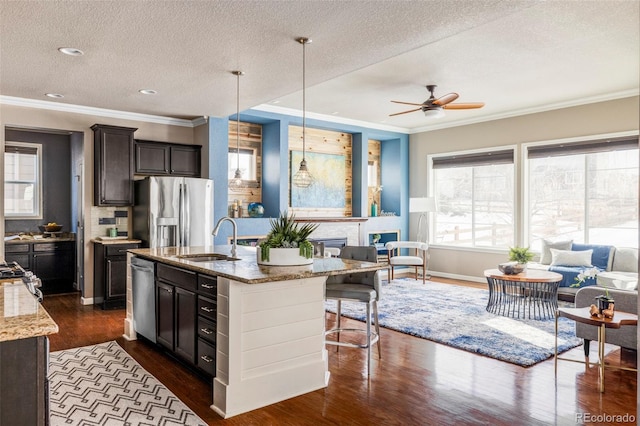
(424, 206)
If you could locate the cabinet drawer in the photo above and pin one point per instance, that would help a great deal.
(206, 359)
(22, 259)
(207, 308)
(52, 246)
(206, 329)
(16, 248)
(180, 277)
(119, 249)
(208, 285)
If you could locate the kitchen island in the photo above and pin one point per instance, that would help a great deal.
(270, 323)
(24, 355)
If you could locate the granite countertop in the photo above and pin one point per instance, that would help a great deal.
(40, 238)
(21, 315)
(247, 270)
(115, 240)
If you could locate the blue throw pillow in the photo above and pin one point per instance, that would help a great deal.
(600, 256)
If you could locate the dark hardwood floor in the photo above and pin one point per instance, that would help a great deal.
(416, 381)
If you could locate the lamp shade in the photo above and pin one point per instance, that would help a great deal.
(422, 205)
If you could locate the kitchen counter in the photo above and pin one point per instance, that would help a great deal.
(270, 323)
(114, 240)
(21, 315)
(246, 270)
(39, 238)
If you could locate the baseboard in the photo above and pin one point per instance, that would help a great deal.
(86, 300)
(443, 275)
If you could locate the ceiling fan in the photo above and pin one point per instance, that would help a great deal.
(433, 107)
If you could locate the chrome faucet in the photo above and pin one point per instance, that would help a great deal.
(235, 233)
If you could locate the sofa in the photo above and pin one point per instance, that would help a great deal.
(625, 301)
(617, 267)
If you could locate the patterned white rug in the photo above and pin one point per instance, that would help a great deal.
(103, 385)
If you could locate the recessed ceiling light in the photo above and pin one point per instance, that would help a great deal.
(275, 102)
(335, 113)
(71, 51)
(54, 95)
(147, 91)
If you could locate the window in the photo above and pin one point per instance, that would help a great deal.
(475, 193)
(247, 163)
(584, 191)
(22, 181)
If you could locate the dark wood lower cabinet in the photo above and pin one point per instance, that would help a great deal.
(186, 316)
(110, 274)
(164, 315)
(24, 386)
(185, 320)
(53, 262)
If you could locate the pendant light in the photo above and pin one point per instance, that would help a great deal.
(236, 183)
(302, 178)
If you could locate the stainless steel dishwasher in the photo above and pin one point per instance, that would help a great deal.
(144, 297)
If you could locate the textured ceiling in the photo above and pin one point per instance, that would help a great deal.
(516, 56)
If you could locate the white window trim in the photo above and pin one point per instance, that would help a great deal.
(39, 183)
(431, 192)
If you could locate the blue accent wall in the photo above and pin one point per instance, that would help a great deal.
(275, 172)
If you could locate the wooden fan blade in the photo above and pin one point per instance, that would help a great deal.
(443, 100)
(405, 112)
(406, 103)
(468, 105)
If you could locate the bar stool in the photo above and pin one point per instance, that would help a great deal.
(363, 287)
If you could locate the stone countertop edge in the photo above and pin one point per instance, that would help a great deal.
(21, 315)
(41, 240)
(247, 270)
(123, 241)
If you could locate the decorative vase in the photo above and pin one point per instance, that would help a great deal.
(255, 209)
(283, 257)
(602, 302)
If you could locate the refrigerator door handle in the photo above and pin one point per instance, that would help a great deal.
(186, 215)
(180, 230)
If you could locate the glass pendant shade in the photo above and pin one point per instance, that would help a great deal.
(302, 179)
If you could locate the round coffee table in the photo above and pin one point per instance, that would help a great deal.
(532, 293)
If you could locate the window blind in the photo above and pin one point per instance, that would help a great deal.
(586, 147)
(476, 159)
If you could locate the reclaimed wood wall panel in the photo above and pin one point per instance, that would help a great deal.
(325, 142)
(250, 138)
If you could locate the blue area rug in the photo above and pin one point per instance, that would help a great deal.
(457, 316)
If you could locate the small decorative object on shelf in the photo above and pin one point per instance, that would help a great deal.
(255, 210)
(375, 238)
(374, 209)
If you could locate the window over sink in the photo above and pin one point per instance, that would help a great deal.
(22, 180)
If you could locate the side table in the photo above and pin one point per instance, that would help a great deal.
(583, 315)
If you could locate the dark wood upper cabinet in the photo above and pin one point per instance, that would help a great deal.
(163, 158)
(185, 160)
(152, 158)
(113, 165)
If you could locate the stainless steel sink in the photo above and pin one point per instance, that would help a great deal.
(207, 257)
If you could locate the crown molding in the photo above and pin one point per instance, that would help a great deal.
(101, 112)
(527, 111)
(329, 118)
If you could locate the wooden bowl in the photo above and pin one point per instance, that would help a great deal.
(52, 228)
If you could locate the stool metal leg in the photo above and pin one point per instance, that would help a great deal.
(375, 314)
(368, 338)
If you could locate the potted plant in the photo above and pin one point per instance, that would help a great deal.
(287, 243)
(518, 258)
(520, 255)
(375, 238)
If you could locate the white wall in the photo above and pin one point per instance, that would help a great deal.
(621, 115)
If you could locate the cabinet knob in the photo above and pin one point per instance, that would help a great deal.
(206, 358)
(206, 331)
(168, 290)
(207, 309)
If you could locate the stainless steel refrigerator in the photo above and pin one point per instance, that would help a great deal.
(173, 211)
